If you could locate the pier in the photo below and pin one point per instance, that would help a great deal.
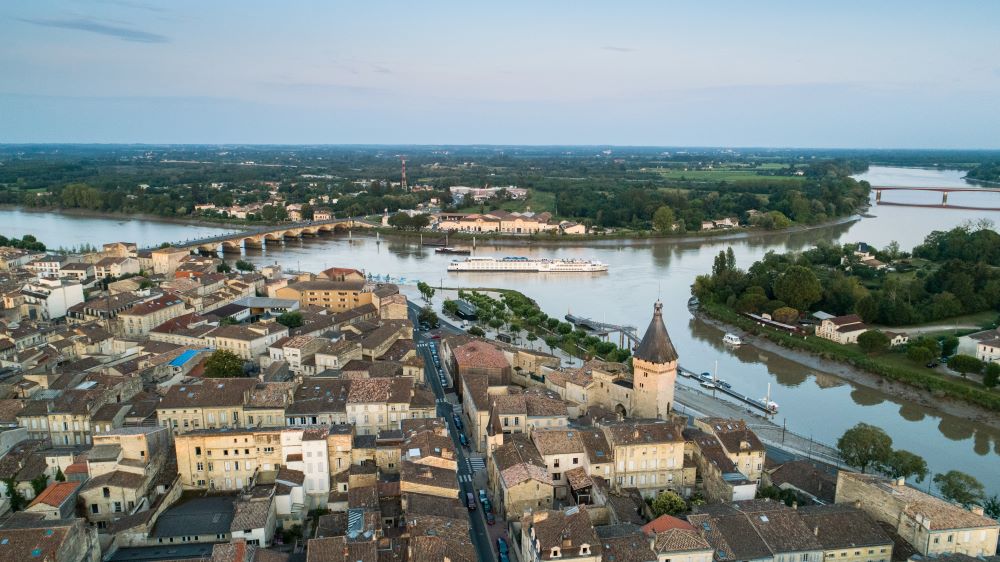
(755, 403)
(629, 333)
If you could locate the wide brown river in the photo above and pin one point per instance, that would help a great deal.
(814, 404)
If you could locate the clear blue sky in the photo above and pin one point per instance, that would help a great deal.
(844, 74)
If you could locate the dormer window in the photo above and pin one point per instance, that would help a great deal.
(584, 549)
(555, 552)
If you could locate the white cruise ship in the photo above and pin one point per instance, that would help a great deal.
(521, 264)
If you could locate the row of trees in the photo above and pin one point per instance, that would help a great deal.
(26, 242)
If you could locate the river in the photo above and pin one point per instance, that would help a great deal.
(814, 404)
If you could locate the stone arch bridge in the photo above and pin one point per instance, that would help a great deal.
(234, 243)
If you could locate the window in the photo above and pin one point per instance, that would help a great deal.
(94, 508)
(106, 492)
(805, 558)
(201, 466)
(557, 476)
(197, 451)
(576, 460)
(555, 463)
(118, 507)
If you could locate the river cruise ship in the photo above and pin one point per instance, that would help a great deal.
(527, 265)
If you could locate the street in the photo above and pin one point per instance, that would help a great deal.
(466, 476)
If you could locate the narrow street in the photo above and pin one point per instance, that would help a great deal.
(468, 478)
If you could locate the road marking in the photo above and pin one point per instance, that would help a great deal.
(476, 463)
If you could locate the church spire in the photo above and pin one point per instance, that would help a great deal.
(656, 346)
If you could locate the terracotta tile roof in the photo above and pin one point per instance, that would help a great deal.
(843, 526)
(939, 513)
(518, 460)
(569, 530)
(665, 523)
(481, 355)
(578, 478)
(117, 478)
(679, 540)
(427, 475)
(638, 433)
(339, 549)
(597, 446)
(208, 393)
(629, 548)
(734, 435)
(153, 305)
(656, 346)
(56, 494)
(557, 441)
(252, 514)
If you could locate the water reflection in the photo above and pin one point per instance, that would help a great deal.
(864, 397)
(911, 412)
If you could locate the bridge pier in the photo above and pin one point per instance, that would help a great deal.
(878, 196)
(231, 248)
(944, 199)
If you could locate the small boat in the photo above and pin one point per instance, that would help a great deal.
(732, 339)
(450, 250)
(723, 384)
(772, 407)
(708, 384)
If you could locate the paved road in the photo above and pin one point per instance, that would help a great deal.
(692, 401)
(466, 476)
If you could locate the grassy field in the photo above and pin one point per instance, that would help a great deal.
(722, 174)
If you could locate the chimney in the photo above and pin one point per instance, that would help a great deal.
(816, 530)
(901, 481)
(977, 509)
(857, 504)
(567, 542)
(346, 552)
(795, 504)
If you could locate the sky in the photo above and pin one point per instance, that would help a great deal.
(888, 74)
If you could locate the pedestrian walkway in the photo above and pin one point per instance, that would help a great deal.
(476, 463)
(465, 478)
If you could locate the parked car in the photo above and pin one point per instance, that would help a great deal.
(501, 545)
(490, 518)
(470, 501)
(487, 506)
(482, 495)
(458, 420)
(463, 439)
(504, 557)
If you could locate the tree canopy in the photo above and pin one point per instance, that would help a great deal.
(865, 446)
(223, 364)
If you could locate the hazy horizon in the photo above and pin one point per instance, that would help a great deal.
(775, 74)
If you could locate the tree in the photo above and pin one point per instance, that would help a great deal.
(428, 316)
(663, 219)
(426, 291)
(904, 464)
(965, 364)
(798, 287)
(223, 268)
(992, 376)
(223, 364)
(244, 265)
(17, 500)
(873, 341)
(991, 506)
(864, 446)
(39, 483)
(476, 331)
(532, 337)
(919, 354)
(786, 315)
(291, 319)
(668, 503)
(60, 477)
(949, 345)
(960, 487)
(450, 306)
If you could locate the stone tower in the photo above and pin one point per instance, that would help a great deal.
(654, 371)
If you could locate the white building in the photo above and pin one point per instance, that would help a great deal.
(49, 298)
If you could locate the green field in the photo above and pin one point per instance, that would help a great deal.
(724, 174)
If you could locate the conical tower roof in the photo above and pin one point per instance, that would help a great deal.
(656, 346)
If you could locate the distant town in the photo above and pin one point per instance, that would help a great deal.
(160, 404)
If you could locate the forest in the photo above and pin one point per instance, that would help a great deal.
(950, 274)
